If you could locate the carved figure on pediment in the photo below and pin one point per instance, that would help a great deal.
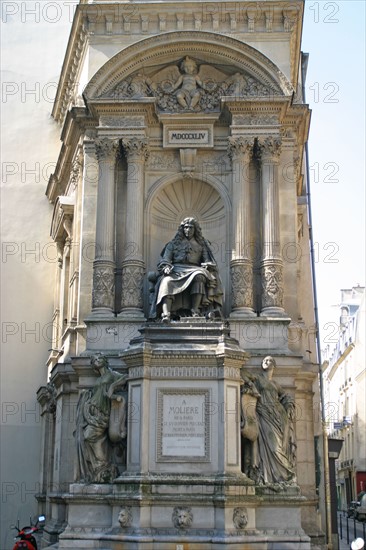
(188, 86)
(267, 428)
(187, 282)
(101, 424)
(136, 86)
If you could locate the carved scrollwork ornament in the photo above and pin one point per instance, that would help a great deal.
(106, 148)
(75, 170)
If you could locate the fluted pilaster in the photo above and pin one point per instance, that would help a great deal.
(269, 150)
(104, 263)
(133, 267)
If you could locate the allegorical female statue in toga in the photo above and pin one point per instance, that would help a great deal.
(187, 282)
(273, 446)
(100, 424)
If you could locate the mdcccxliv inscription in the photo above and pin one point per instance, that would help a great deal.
(188, 137)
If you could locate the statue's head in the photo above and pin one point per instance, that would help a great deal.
(99, 361)
(240, 518)
(182, 517)
(125, 516)
(188, 65)
(268, 363)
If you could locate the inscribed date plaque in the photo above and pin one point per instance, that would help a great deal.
(183, 432)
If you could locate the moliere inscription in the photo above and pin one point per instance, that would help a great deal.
(183, 428)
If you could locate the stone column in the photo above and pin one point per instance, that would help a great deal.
(269, 149)
(104, 263)
(241, 266)
(133, 267)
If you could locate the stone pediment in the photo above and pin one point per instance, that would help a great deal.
(154, 68)
(200, 89)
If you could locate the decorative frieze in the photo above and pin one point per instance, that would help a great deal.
(255, 120)
(137, 121)
(195, 372)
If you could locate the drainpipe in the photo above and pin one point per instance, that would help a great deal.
(328, 511)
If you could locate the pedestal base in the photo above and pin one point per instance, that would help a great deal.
(188, 512)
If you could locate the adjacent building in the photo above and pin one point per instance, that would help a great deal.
(344, 375)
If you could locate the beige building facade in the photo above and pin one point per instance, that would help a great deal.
(164, 112)
(345, 383)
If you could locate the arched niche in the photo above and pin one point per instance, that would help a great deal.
(178, 197)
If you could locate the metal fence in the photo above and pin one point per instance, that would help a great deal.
(349, 529)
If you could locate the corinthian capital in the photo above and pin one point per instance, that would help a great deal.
(240, 146)
(269, 146)
(106, 148)
(136, 147)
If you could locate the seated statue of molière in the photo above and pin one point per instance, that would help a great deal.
(186, 283)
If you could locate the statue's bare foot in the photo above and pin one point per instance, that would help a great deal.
(165, 317)
(195, 313)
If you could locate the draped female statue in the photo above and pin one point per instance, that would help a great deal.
(272, 456)
(100, 423)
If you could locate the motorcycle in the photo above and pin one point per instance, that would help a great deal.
(26, 535)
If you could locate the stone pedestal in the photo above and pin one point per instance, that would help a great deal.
(182, 486)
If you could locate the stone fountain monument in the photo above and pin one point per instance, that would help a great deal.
(179, 414)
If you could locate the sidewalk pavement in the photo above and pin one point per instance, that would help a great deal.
(343, 545)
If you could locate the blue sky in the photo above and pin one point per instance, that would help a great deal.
(334, 37)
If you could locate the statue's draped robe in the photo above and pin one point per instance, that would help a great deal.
(92, 422)
(276, 439)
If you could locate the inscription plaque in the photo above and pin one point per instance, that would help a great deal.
(188, 136)
(183, 425)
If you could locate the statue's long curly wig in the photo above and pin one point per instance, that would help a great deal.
(179, 237)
